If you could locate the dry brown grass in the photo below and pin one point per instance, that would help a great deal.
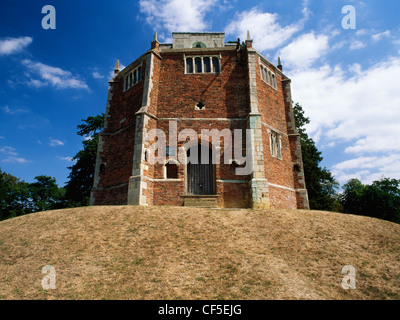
(184, 253)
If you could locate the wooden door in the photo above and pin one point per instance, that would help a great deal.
(200, 175)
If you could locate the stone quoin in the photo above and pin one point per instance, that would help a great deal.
(199, 83)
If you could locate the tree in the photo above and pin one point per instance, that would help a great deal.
(353, 197)
(44, 194)
(18, 198)
(385, 193)
(321, 185)
(14, 196)
(381, 199)
(82, 172)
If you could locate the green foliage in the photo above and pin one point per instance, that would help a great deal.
(13, 196)
(91, 126)
(82, 172)
(381, 199)
(44, 194)
(321, 185)
(18, 198)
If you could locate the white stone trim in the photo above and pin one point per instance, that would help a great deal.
(274, 129)
(164, 168)
(280, 187)
(278, 152)
(233, 181)
(201, 119)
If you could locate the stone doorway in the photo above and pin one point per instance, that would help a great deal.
(200, 171)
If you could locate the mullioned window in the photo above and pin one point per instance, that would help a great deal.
(268, 76)
(133, 78)
(202, 64)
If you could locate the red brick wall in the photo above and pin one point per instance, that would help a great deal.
(282, 199)
(234, 195)
(119, 138)
(168, 193)
(174, 95)
(271, 105)
(224, 94)
(112, 196)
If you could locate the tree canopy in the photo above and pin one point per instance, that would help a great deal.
(18, 198)
(82, 172)
(321, 185)
(381, 199)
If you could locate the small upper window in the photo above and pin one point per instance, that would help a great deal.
(199, 44)
(264, 74)
(198, 65)
(207, 64)
(189, 65)
(268, 76)
(215, 62)
(133, 78)
(203, 65)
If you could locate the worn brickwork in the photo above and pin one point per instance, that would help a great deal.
(235, 98)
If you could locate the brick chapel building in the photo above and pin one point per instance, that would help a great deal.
(198, 83)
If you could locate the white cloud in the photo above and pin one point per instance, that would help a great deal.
(361, 32)
(52, 76)
(359, 108)
(375, 143)
(177, 15)
(357, 44)
(55, 142)
(97, 75)
(37, 83)
(12, 45)
(304, 50)
(12, 159)
(265, 28)
(9, 151)
(355, 68)
(12, 155)
(379, 36)
(368, 169)
(8, 110)
(68, 159)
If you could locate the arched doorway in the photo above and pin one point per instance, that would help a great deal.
(200, 171)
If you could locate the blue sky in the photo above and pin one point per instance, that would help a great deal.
(347, 80)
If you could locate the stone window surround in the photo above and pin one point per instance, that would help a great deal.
(185, 57)
(166, 162)
(139, 72)
(268, 76)
(275, 152)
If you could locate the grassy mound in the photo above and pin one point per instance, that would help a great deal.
(185, 253)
